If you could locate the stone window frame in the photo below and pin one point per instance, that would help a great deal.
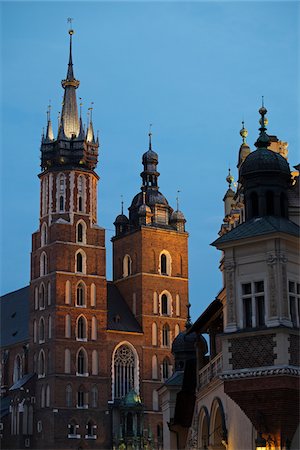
(253, 303)
(294, 301)
(136, 370)
(167, 262)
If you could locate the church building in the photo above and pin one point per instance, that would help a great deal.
(82, 357)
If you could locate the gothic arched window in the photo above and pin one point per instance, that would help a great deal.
(94, 397)
(166, 368)
(124, 371)
(41, 364)
(166, 335)
(80, 295)
(80, 262)
(82, 362)
(81, 329)
(41, 330)
(127, 266)
(165, 263)
(62, 192)
(69, 396)
(17, 369)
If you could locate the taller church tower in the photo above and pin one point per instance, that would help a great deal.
(68, 310)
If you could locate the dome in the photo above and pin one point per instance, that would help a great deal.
(264, 160)
(184, 342)
(150, 156)
(121, 219)
(152, 197)
(177, 216)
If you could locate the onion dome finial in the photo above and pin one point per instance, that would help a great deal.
(243, 132)
(229, 179)
(150, 137)
(263, 140)
(188, 322)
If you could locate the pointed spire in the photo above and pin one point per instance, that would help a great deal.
(90, 130)
(177, 200)
(49, 132)
(263, 140)
(122, 205)
(70, 84)
(150, 137)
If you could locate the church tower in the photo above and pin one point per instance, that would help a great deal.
(150, 270)
(68, 310)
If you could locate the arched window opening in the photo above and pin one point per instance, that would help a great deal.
(82, 397)
(270, 203)
(177, 305)
(36, 298)
(79, 262)
(17, 375)
(217, 427)
(127, 266)
(254, 204)
(94, 397)
(41, 364)
(166, 368)
(81, 329)
(69, 396)
(82, 363)
(44, 233)
(42, 295)
(124, 371)
(67, 361)
(165, 263)
(79, 233)
(166, 335)
(61, 203)
(73, 429)
(43, 264)
(49, 363)
(203, 434)
(41, 330)
(90, 430)
(81, 192)
(61, 192)
(80, 295)
(164, 304)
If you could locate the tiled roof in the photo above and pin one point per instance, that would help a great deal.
(257, 227)
(120, 317)
(14, 309)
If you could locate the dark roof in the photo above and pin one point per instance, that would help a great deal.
(120, 317)
(176, 379)
(211, 311)
(21, 382)
(264, 160)
(14, 317)
(259, 226)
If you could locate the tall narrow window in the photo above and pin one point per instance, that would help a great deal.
(80, 295)
(94, 362)
(44, 234)
(294, 302)
(42, 295)
(166, 335)
(253, 299)
(41, 364)
(127, 265)
(260, 303)
(47, 396)
(43, 264)
(17, 369)
(247, 305)
(166, 368)
(82, 362)
(79, 262)
(79, 232)
(164, 304)
(62, 192)
(81, 193)
(81, 328)
(49, 294)
(94, 328)
(80, 397)
(34, 331)
(42, 398)
(69, 396)
(94, 397)
(177, 305)
(36, 298)
(155, 303)
(154, 367)
(124, 371)
(93, 294)
(165, 263)
(41, 330)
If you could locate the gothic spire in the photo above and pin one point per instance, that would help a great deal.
(90, 130)
(49, 132)
(69, 111)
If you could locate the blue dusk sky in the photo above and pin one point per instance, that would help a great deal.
(194, 70)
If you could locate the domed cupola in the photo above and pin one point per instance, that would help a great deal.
(150, 195)
(177, 219)
(265, 177)
(121, 223)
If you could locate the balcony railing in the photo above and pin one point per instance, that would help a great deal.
(210, 371)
